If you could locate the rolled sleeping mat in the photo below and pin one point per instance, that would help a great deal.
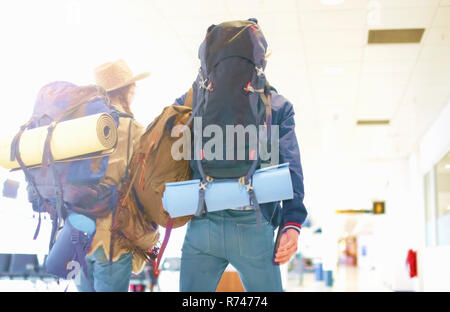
(270, 184)
(71, 138)
(66, 258)
(273, 183)
(181, 198)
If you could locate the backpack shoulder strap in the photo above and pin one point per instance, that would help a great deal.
(267, 99)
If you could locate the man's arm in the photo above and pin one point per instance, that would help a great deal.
(294, 211)
(180, 101)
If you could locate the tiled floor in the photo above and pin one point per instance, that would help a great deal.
(346, 279)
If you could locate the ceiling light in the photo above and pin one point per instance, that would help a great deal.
(389, 36)
(447, 166)
(331, 2)
(372, 122)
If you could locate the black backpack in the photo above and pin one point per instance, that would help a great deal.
(230, 90)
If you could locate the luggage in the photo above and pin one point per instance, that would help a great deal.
(153, 166)
(67, 256)
(68, 188)
(131, 229)
(227, 92)
(231, 90)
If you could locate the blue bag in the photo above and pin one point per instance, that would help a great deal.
(270, 184)
(67, 256)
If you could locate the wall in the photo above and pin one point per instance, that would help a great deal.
(433, 261)
(403, 225)
(395, 231)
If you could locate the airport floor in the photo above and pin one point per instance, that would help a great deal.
(346, 279)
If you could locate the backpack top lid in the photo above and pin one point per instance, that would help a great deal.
(53, 99)
(236, 38)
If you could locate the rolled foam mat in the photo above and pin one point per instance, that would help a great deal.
(71, 138)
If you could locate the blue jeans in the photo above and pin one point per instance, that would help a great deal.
(106, 278)
(228, 236)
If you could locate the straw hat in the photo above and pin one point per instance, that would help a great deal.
(115, 75)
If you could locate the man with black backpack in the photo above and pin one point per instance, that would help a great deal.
(231, 90)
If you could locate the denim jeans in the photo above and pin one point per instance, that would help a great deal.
(218, 238)
(106, 278)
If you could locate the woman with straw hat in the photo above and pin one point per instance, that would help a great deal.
(119, 82)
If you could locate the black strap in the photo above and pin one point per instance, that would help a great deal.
(255, 204)
(53, 234)
(15, 154)
(80, 252)
(38, 228)
(16, 140)
(266, 101)
(201, 201)
(201, 208)
(251, 192)
(59, 188)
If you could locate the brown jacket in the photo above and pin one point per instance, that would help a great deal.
(116, 170)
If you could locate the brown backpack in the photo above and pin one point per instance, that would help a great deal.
(140, 200)
(155, 166)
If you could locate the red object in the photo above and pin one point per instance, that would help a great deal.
(169, 227)
(247, 86)
(291, 223)
(411, 261)
(252, 154)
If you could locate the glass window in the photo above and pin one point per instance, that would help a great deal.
(429, 210)
(442, 174)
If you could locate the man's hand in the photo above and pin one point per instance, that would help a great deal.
(287, 247)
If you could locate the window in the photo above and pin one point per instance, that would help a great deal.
(442, 174)
(429, 210)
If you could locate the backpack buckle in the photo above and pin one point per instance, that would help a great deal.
(202, 186)
(248, 186)
(249, 88)
(203, 85)
(259, 71)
